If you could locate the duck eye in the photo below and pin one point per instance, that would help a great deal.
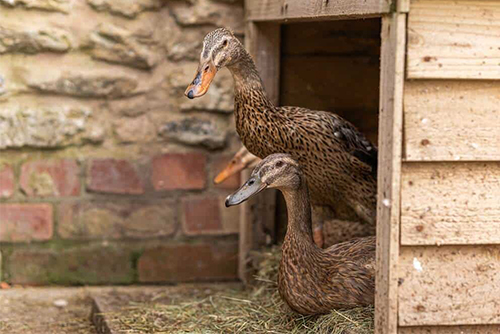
(206, 69)
(279, 164)
(224, 44)
(251, 182)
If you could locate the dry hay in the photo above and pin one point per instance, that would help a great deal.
(256, 309)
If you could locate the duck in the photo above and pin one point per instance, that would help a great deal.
(326, 233)
(338, 160)
(240, 161)
(311, 280)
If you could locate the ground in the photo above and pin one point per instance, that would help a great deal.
(34, 311)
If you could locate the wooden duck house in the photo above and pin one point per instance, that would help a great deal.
(422, 76)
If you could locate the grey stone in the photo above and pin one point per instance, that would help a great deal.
(103, 86)
(125, 8)
(197, 132)
(207, 12)
(41, 127)
(132, 130)
(54, 40)
(2, 85)
(117, 45)
(62, 6)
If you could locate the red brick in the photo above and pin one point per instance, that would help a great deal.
(232, 182)
(201, 215)
(50, 178)
(230, 217)
(117, 219)
(6, 181)
(189, 262)
(179, 171)
(25, 222)
(114, 176)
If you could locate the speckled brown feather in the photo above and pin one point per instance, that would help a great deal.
(313, 280)
(339, 162)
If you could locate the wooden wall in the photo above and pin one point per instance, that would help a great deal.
(449, 255)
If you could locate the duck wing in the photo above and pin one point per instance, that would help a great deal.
(355, 143)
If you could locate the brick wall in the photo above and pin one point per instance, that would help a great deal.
(105, 168)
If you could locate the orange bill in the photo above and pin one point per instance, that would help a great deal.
(234, 167)
(201, 81)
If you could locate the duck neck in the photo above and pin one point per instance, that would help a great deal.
(299, 216)
(248, 87)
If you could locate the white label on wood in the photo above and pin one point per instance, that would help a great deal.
(450, 203)
(454, 39)
(457, 286)
(452, 120)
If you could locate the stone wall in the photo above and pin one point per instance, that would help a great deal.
(105, 167)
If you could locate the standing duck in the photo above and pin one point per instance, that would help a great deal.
(311, 280)
(339, 162)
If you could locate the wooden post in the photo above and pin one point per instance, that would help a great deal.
(389, 172)
(257, 220)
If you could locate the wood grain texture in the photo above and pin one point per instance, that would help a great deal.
(451, 120)
(449, 285)
(450, 203)
(257, 220)
(389, 171)
(304, 10)
(486, 329)
(454, 39)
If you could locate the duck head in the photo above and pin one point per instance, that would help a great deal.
(241, 160)
(278, 171)
(220, 48)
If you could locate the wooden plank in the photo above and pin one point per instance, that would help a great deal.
(390, 147)
(309, 10)
(451, 120)
(344, 38)
(257, 220)
(449, 285)
(450, 203)
(493, 329)
(454, 39)
(403, 6)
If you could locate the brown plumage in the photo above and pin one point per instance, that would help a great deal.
(311, 280)
(339, 162)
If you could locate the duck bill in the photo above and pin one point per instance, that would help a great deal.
(201, 81)
(232, 168)
(252, 187)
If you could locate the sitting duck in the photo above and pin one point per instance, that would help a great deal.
(339, 162)
(326, 232)
(311, 280)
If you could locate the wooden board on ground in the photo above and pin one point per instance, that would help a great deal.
(444, 203)
(454, 39)
(449, 285)
(303, 10)
(451, 120)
